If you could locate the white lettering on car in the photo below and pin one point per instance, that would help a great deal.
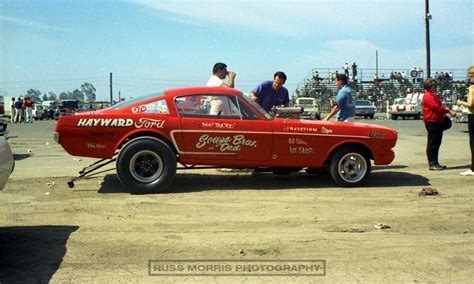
(300, 129)
(325, 130)
(218, 125)
(297, 141)
(301, 150)
(105, 122)
(149, 123)
(139, 109)
(225, 143)
(95, 146)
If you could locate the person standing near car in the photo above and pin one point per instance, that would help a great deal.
(12, 111)
(269, 94)
(28, 104)
(219, 73)
(470, 117)
(344, 105)
(434, 118)
(19, 110)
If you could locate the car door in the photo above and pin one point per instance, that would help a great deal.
(299, 143)
(216, 131)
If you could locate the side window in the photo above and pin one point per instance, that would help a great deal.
(208, 106)
(159, 106)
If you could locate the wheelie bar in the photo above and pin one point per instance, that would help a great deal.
(88, 171)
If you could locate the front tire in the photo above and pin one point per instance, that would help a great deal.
(350, 166)
(146, 165)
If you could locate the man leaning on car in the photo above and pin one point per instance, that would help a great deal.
(269, 94)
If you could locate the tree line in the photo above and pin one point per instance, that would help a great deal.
(85, 92)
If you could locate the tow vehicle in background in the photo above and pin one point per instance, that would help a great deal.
(310, 108)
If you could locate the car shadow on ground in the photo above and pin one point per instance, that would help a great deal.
(267, 181)
(32, 254)
(390, 167)
(19, 157)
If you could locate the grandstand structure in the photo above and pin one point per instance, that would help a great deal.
(381, 86)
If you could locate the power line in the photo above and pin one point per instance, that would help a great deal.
(170, 80)
(53, 80)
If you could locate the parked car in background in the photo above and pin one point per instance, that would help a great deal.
(68, 107)
(310, 108)
(38, 111)
(462, 113)
(3, 126)
(148, 136)
(6, 156)
(365, 108)
(49, 104)
(410, 106)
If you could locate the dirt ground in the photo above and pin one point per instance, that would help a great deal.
(98, 232)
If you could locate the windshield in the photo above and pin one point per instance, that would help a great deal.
(256, 106)
(399, 102)
(363, 103)
(137, 99)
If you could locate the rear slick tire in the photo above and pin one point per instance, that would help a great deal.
(146, 165)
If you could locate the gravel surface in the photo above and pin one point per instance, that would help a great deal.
(98, 232)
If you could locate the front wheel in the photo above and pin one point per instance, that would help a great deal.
(146, 165)
(350, 166)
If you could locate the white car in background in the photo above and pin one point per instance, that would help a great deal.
(38, 111)
(6, 157)
(410, 106)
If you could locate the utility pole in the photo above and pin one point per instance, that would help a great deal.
(427, 32)
(377, 64)
(111, 96)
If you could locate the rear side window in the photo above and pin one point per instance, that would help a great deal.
(208, 106)
(158, 107)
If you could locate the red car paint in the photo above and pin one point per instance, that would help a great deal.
(248, 137)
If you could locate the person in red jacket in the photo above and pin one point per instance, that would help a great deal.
(433, 116)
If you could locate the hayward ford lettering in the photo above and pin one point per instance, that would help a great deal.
(120, 122)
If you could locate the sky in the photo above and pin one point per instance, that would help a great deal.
(149, 46)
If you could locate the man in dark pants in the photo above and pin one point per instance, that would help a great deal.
(433, 116)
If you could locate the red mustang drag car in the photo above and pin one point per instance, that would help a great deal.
(219, 127)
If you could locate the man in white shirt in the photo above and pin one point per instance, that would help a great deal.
(219, 106)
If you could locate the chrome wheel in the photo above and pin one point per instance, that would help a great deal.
(146, 166)
(352, 167)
